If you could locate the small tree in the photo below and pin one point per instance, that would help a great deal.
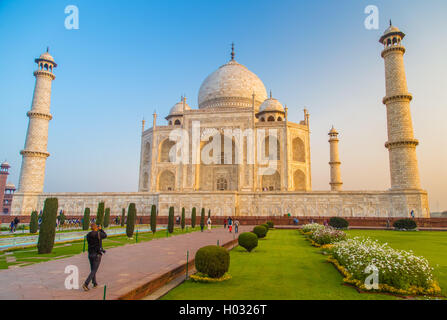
(202, 219)
(123, 217)
(183, 218)
(34, 223)
(48, 226)
(107, 218)
(100, 214)
(86, 220)
(171, 220)
(154, 218)
(193, 217)
(131, 217)
(209, 213)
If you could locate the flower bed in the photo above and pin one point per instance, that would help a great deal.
(201, 277)
(327, 235)
(311, 227)
(400, 272)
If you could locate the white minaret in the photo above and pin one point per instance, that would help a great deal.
(334, 161)
(401, 143)
(34, 155)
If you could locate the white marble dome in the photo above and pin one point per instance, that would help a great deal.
(178, 108)
(271, 104)
(46, 56)
(232, 85)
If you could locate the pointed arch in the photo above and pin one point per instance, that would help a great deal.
(299, 180)
(298, 150)
(166, 181)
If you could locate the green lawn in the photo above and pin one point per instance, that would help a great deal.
(27, 256)
(284, 266)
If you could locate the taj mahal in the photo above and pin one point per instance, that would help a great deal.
(260, 161)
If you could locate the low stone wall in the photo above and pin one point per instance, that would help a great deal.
(226, 203)
(255, 220)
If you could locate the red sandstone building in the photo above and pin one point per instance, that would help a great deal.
(6, 189)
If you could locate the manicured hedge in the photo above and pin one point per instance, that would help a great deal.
(131, 218)
(34, 223)
(212, 260)
(338, 223)
(202, 219)
(171, 220)
(193, 217)
(183, 222)
(107, 218)
(260, 231)
(48, 226)
(154, 218)
(270, 224)
(86, 219)
(248, 240)
(405, 224)
(100, 214)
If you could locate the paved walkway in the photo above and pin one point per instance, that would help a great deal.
(122, 269)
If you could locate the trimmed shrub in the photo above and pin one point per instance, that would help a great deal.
(123, 217)
(131, 218)
(86, 219)
(154, 218)
(405, 224)
(183, 222)
(171, 220)
(338, 223)
(107, 218)
(48, 226)
(193, 217)
(248, 241)
(202, 219)
(100, 214)
(260, 231)
(270, 224)
(266, 226)
(212, 260)
(34, 223)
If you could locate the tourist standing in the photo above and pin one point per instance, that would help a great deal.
(225, 223)
(95, 252)
(412, 213)
(236, 226)
(230, 224)
(208, 222)
(16, 223)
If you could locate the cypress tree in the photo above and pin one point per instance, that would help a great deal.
(183, 218)
(100, 214)
(34, 223)
(62, 218)
(171, 220)
(107, 218)
(209, 213)
(202, 219)
(86, 220)
(48, 226)
(131, 217)
(193, 217)
(154, 218)
(123, 217)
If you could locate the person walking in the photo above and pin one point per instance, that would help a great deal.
(236, 226)
(95, 252)
(16, 223)
(208, 222)
(225, 223)
(11, 226)
(230, 224)
(412, 213)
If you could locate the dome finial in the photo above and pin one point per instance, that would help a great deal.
(391, 23)
(48, 49)
(232, 51)
(270, 94)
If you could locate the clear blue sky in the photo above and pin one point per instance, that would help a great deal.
(131, 57)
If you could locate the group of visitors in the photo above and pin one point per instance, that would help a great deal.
(13, 225)
(230, 223)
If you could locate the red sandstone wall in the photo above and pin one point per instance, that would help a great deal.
(254, 220)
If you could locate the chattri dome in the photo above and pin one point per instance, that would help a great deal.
(232, 85)
(271, 104)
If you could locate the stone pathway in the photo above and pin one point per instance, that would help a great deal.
(122, 268)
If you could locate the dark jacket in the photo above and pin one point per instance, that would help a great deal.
(95, 242)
